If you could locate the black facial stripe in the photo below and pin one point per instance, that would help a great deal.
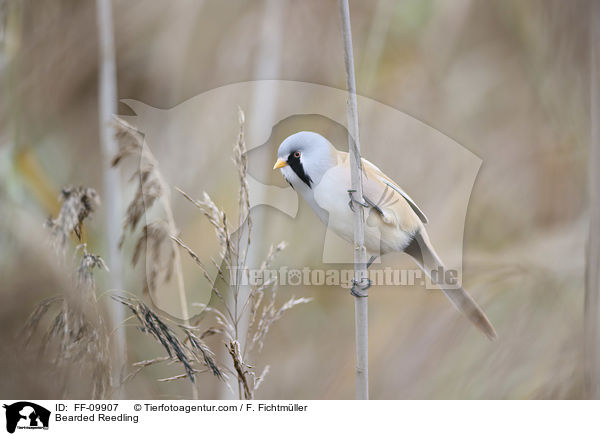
(296, 165)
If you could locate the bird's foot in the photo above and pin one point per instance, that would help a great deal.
(359, 290)
(353, 200)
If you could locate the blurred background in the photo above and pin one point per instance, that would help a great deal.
(507, 80)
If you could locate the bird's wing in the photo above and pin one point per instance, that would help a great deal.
(381, 191)
(398, 209)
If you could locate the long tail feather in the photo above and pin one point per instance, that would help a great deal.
(422, 252)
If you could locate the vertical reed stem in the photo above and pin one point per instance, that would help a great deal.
(361, 305)
(112, 193)
(592, 279)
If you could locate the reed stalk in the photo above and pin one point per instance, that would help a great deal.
(107, 107)
(592, 291)
(361, 305)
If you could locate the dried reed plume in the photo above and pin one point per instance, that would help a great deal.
(77, 204)
(75, 331)
(155, 236)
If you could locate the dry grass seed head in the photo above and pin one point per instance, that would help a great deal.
(149, 189)
(150, 186)
(77, 205)
(84, 273)
(269, 315)
(155, 242)
(198, 346)
(240, 159)
(76, 327)
(153, 324)
(129, 140)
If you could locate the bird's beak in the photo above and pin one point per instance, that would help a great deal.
(279, 164)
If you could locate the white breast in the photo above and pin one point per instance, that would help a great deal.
(330, 198)
(331, 195)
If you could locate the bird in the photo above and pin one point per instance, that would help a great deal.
(393, 222)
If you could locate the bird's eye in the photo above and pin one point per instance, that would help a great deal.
(297, 154)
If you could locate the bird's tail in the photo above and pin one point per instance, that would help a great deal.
(421, 250)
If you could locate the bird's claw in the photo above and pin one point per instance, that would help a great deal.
(358, 290)
(353, 200)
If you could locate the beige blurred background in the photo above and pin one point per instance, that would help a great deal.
(507, 80)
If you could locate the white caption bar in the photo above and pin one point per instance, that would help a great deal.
(23, 417)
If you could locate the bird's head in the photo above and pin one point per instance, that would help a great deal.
(304, 157)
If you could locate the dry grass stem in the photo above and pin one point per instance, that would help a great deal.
(240, 368)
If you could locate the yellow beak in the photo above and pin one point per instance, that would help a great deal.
(280, 164)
